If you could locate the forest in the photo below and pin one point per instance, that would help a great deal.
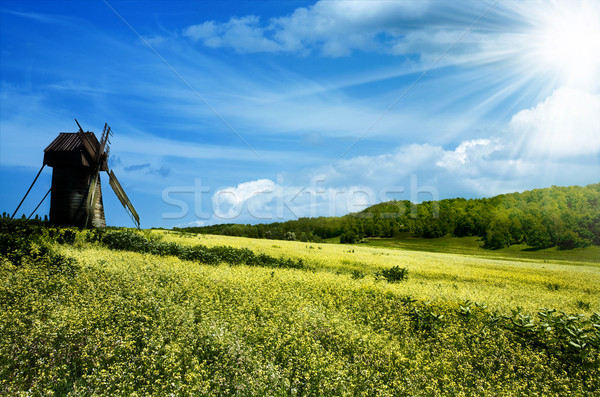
(563, 217)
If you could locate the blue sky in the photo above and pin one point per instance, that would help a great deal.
(259, 111)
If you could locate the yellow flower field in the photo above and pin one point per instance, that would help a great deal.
(500, 284)
(79, 319)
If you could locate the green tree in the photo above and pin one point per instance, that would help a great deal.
(498, 235)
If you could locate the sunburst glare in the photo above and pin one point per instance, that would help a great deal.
(566, 43)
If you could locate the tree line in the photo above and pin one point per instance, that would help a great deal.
(565, 217)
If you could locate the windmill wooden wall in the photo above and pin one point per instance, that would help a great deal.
(73, 171)
(68, 204)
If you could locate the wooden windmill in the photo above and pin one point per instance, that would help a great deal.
(76, 159)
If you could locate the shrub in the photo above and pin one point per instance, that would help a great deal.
(66, 236)
(290, 236)
(570, 240)
(433, 229)
(126, 241)
(25, 243)
(497, 239)
(132, 241)
(392, 275)
(348, 238)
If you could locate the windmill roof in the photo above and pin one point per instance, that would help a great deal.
(70, 142)
(67, 150)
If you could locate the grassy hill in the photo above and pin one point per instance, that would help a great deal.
(563, 217)
(161, 313)
(473, 246)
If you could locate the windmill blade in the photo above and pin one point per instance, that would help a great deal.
(103, 141)
(86, 142)
(90, 198)
(118, 189)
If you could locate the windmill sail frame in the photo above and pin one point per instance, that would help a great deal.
(118, 189)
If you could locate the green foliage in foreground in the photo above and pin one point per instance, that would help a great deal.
(153, 328)
(106, 322)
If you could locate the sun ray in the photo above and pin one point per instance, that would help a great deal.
(565, 42)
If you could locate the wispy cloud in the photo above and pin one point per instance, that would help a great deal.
(338, 28)
(46, 18)
(523, 155)
(137, 167)
(161, 171)
(243, 34)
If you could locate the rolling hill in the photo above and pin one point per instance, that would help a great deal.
(563, 217)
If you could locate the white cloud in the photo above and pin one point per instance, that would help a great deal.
(228, 203)
(336, 28)
(192, 224)
(566, 124)
(478, 167)
(468, 152)
(265, 200)
(243, 34)
(202, 31)
(381, 169)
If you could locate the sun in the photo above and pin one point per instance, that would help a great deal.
(566, 42)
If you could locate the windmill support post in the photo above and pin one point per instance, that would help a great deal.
(28, 190)
(38, 206)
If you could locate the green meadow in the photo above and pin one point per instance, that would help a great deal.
(163, 313)
(473, 245)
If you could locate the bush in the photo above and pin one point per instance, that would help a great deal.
(348, 238)
(26, 243)
(433, 229)
(539, 238)
(126, 241)
(570, 240)
(66, 236)
(21, 240)
(290, 236)
(498, 235)
(393, 274)
(132, 241)
(496, 239)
